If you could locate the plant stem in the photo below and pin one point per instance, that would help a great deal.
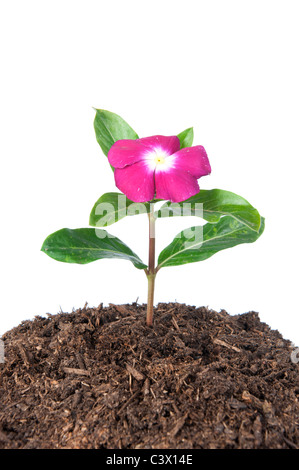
(151, 274)
(150, 299)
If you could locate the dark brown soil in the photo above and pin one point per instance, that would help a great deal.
(100, 378)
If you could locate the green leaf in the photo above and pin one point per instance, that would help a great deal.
(109, 128)
(211, 205)
(111, 207)
(186, 137)
(200, 243)
(84, 245)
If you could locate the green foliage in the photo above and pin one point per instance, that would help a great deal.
(199, 243)
(84, 245)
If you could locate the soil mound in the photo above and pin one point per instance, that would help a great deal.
(100, 378)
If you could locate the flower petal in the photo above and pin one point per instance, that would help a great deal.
(193, 160)
(126, 152)
(136, 181)
(160, 143)
(174, 185)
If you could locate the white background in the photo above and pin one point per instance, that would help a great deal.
(227, 68)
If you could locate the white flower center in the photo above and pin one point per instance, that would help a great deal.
(159, 159)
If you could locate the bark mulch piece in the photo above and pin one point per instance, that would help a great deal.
(100, 378)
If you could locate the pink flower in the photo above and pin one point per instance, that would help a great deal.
(155, 167)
